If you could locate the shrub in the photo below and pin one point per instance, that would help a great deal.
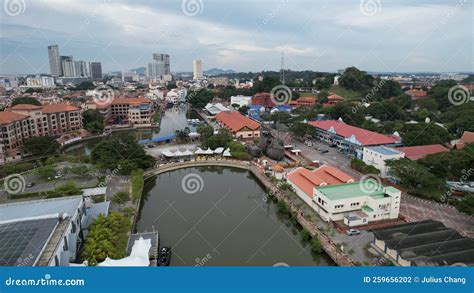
(316, 245)
(121, 197)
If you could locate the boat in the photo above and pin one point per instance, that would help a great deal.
(164, 257)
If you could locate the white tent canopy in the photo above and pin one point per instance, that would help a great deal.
(227, 153)
(209, 152)
(167, 153)
(218, 151)
(187, 153)
(199, 151)
(137, 258)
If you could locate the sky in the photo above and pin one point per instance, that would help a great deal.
(244, 35)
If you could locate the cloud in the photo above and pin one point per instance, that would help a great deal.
(245, 35)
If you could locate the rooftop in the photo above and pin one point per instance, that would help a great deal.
(365, 137)
(55, 108)
(35, 208)
(26, 107)
(7, 117)
(349, 190)
(384, 150)
(419, 152)
(307, 180)
(22, 242)
(236, 121)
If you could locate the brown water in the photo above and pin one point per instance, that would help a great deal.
(226, 222)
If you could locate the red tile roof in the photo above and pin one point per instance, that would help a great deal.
(235, 121)
(7, 117)
(335, 97)
(467, 137)
(419, 152)
(365, 137)
(130, 101)
(55, 108)
(307, 180)
(26, 107)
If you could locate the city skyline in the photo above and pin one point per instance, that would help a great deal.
(386, 37)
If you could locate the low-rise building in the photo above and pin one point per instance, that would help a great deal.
(240, 126)
(419, 152)
(303, 101)
(263, 99)
(424, 243)
(131, 110)
(46, 232)
(467, 137)
(214, 109)
(241, 100)
(357, 203)
(304, 181)
(377, 156)
(350, 139)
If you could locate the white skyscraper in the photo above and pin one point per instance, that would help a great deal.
(156, 69)
(197, 69)
(54, 60)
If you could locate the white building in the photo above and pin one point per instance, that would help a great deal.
(241, 100)
(156, 69)
(377, 156)
(357, 203)
(197, 69)
(215, 109)
(55, 229)
(40, 82)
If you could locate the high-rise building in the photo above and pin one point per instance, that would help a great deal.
(96, 70)
(197, 69)
(54, 60)
(165, 58)
(156, 69)
(68, 66)
(83, 68)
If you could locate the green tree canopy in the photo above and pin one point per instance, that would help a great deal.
(25, 100)
(40, 145)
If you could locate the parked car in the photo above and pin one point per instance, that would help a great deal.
(29, 185)
(352, 232)
(324, 151)
(333, 145)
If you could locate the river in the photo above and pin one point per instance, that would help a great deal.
(173, 119)
(226, 222)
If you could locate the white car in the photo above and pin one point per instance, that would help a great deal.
(352, 232)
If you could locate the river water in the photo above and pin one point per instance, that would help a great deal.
(225, 222)
(173, 119)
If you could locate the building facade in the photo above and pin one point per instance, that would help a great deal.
(377, 156)
(240, 126)
(54, 61)
(197, 69)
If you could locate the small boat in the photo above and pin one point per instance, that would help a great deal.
(164, 257)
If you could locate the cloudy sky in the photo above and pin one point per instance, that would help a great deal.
(244, 35)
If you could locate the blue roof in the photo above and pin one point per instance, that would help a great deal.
(158, 139)
(384, 151)
(255, 107)
(284, 107)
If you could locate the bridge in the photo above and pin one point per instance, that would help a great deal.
(196, 163)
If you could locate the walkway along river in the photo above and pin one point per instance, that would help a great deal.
(220, 216)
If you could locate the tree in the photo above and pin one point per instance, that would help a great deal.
(84, 86)
(40, 145)
(300, 130)
(345, 111)
(26, 100)
(45, 172)
(244, 109)
(221, 139)
(205, 131)
(413, 175)
(93, 121)
(183, 134)
(316, 245)
(199, 98)
(389, 89)
(107, 238)
(121, 197)
(423, 134)
(356, 80)
(122, 153)
(323, 96)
